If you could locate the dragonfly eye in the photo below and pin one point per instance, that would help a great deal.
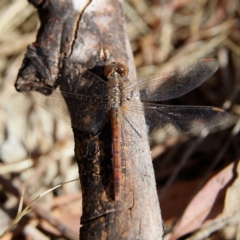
(113, 67)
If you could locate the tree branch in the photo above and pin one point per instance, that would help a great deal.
(85, 35)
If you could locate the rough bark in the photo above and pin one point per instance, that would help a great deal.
(85, 34)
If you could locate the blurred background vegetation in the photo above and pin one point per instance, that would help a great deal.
(164, 35)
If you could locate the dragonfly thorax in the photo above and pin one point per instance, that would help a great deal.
(115, 91)
(116, 73)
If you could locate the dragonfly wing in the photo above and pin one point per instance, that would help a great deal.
(82, 81)
(87, 113)
(90, 84)
(164, 121)
(174, 84)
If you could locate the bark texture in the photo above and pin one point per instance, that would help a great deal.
(88, 35)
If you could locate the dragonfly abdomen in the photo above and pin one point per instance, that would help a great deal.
(116, 118)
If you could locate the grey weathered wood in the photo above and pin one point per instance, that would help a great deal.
(83, 34)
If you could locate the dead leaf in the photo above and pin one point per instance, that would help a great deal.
(202, 204)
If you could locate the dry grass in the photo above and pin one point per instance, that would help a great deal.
(164, 36)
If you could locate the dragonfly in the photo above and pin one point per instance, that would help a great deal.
(93, 99)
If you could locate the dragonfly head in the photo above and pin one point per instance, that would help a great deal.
(114, 68)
